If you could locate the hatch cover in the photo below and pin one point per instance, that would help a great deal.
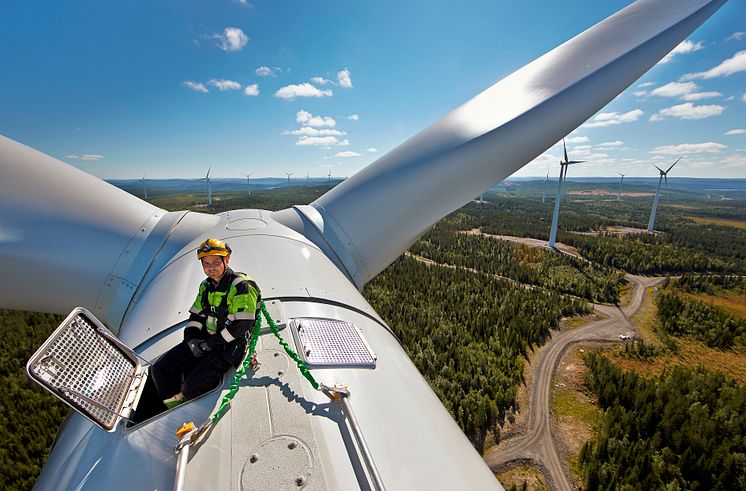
(85, 366)
(327, 343)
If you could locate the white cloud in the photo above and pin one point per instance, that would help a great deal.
(688, 111)
(344, 143)
(309, 131)
(265, 71)
(576, 139)
(232, 39)
(683, 48)
(245, 3)
(683, 90)
(87, 156)
(197, 87)
(290, 92)
(728, 67)
(640, 93)
(252, 89)
(743, 97)
(344, 78)
(685, 148)
(738, 131)
(696, 96)
(347, 155)
(734, 161)
(320, 80)
(614, 118)
(646, 84)
(582, 147)
(736, 36)
(371, 150)
(307, 119)
(317, 140)
(222, 84)
(616, 143)
(699, 165)
(353, 117)
(674, 89)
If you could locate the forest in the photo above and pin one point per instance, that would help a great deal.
(30, 415)
(470, 351)
(447, 243)
(681, 315)
(683, 246)
(681, 430)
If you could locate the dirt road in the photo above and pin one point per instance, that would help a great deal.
(538, 444)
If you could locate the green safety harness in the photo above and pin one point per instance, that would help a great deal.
(189, 435)
(250, 361)
(335, 393)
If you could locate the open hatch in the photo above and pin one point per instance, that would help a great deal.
(87, 367)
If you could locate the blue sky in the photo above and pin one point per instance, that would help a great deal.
(166, 89)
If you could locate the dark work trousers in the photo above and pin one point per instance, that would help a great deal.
(178, 370)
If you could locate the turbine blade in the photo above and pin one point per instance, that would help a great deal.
(658, 169)
(677, 161)
(517, 118)
(88, 237)
(565, 148)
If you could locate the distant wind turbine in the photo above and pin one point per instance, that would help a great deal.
(663, 175)
(209, 185)
(289, 174)
(544, 187)
(619, 193)
(555, 217)
(144, 189)
(248, 181)
(306, 179)
(329, 177)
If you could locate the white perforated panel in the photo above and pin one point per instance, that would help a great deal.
(76, 359)
(332, 343)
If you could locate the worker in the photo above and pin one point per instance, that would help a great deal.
(215, 337)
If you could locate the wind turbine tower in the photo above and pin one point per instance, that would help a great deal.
(329, 177)
(209, 185)
(663, 176)
(144, 189)
(555, 217)
(544, 187)
(289, 174)
(248, 181)
(619, 193)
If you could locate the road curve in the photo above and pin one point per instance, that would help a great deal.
(537, 444)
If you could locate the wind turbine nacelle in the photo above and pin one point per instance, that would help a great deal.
(412, 438)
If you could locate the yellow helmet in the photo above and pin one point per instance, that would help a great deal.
(213, 247)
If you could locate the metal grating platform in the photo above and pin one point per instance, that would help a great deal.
(332, 343)
(82, 364)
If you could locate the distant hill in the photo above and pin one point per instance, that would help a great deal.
(228, 185)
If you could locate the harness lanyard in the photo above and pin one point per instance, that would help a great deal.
(250, 362)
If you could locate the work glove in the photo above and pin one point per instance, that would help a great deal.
(192, 332)
(213, 341)
(198, 347)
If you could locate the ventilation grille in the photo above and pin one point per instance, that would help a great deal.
(83, 364)
(332, 343)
